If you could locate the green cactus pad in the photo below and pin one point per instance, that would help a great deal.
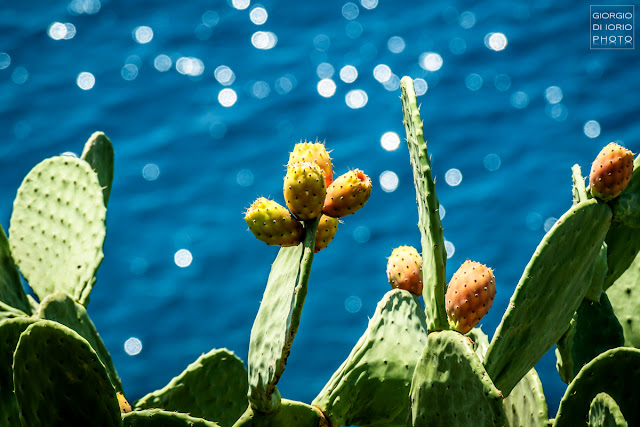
(98, 152)
(615, 372)
(625, 300)
(372, 384)
(594, 329)
(598, 274)
(434, 256)
(59, 379)
(160, 418)
(626, 207)
(277, 320)
(9, 312)
(10, 331)
(623, 245)
(290, 413)
(480, 341)
(556, 278)
(214, 387)
(11, 290)
(526, 406)
(579, 189)
(451, 388)
(58, 227)
(605, 412)
(61, 308)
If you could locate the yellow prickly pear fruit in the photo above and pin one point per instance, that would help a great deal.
(347, 194)
(469, 296)
(304, 190)
(610, 172)
(327, 228)
(124, 405)
(272, 223)
(313, 152)
(404, 269)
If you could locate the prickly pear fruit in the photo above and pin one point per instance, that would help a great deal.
(610, 172)
(347, 194)
(327, 229)
(124, 404)
(404, 269)
(313, 152)
(304, 190)
(272, 223)
(469, 296)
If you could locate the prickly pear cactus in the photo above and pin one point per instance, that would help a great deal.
(347, 194)
(556, 279)
(10, 331)
(469, 296)
(160, 418)
(98, 152)
(11, 291)
(434, 256)
(58, 227)
(277, 320)
(59, 379)
(371, 385)
(610, 172)
(451, 387)
(526, 406)
(625, 300)
(605, 412)
(626, 208)
(214, 387)
(313, 152)
(304, 190)
(273, 224)
(61, 308)
(327, 229)
(290, 413)
(615, 372)
(404, 269)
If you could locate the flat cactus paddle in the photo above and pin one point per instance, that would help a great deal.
(290, 413)
(9, 312)
(61, 308)
(11, 290)
(624, 296)
(59, 379)
(160, 418)
(450, 387)
(615, 372)
(277, 321)
(58, 227)
(556, 278)
(98, 152)
(372, 384)
(214, 387)
(605, 412)
(526, 406)
(434, 255)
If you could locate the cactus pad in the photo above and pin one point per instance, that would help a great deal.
(58, 227)
(290, 413)
(160, 418)
(625, 300)
(347, 194)
(98, 152)
(556, 278)
(304, 190)
(615, 372)
(434, 256)
(626, 208)
(526, 405)
(277, 321)
(273, 224)
(61, 308)
(9, 312)
(59, 379)
(480, 341)
(214, 387)
(372, 384)
(605, 412)
(451, 387)
(10, 331)
(11, 290)
(404, 269)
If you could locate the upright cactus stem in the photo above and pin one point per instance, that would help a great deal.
(434, 256)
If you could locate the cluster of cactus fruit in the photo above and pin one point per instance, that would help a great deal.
(415, 365)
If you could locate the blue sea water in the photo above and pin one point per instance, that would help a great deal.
(195, 144)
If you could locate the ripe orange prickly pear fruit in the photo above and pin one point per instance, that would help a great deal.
(272, 223)
(404, 269)
(610, 172)
(124, 405)
(469, 296)
(327, 229)
(347, 194)
(305, 190)
(313, 152)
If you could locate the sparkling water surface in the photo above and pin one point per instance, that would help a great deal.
(204, 100)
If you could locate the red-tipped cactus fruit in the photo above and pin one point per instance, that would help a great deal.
(327, 228)
(470, 295)
(305, 190)
(404, 269)
(347, 194)
(610, 172)
(273, 224)
(313, 152)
